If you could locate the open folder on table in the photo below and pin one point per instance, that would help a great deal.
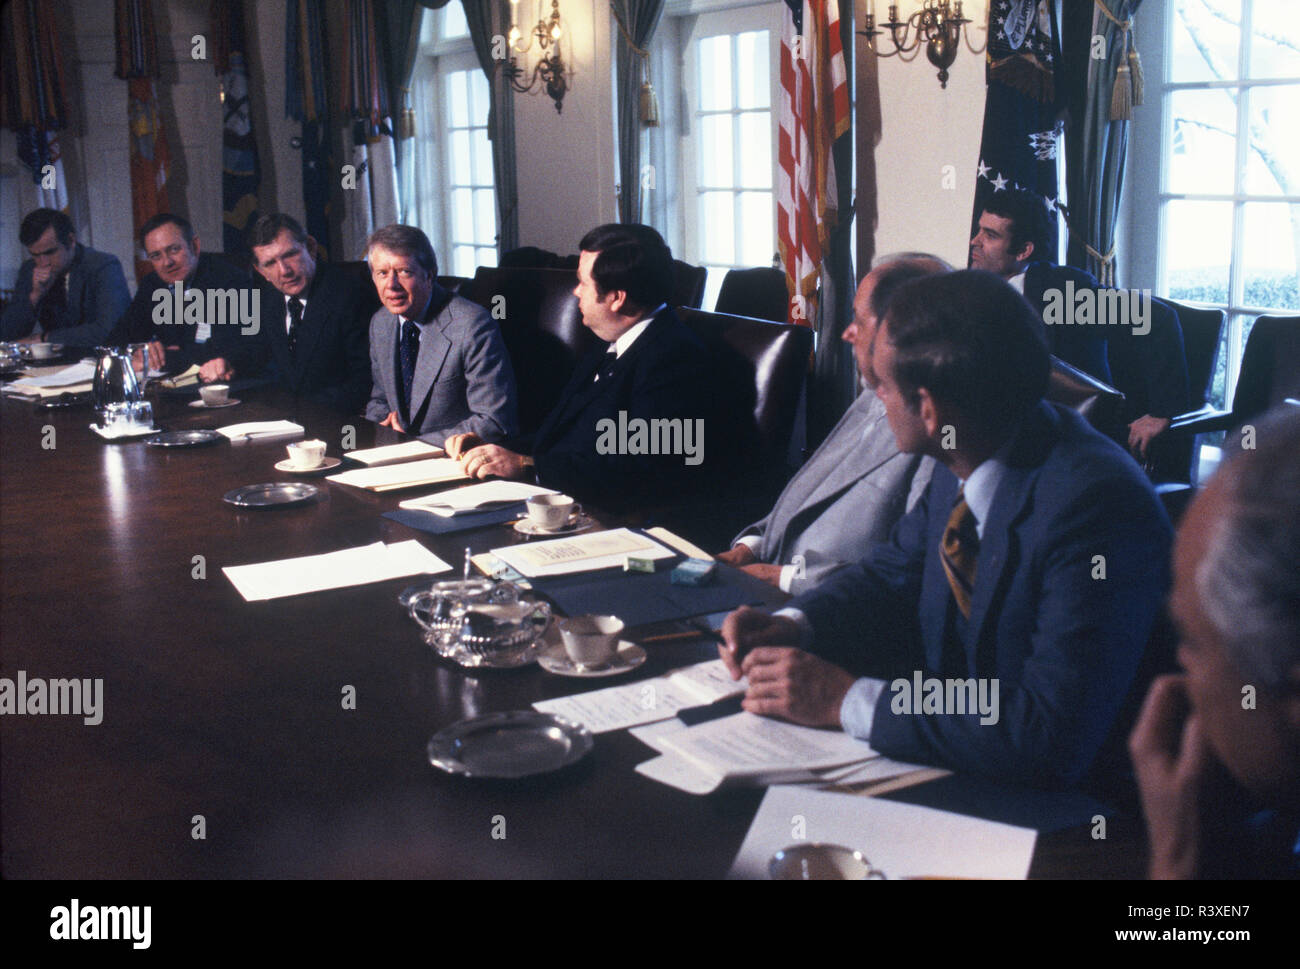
(581, 553)
(75, 379)
(411, 474)
(393, 453)
(476, 497)
(333, 570)
(260, 431)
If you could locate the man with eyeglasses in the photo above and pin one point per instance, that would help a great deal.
(178, 332)
(66, 292)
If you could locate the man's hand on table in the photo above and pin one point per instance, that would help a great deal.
(492, 460)
(1172, 760)
(738, 555)
(460, 444)
(215, 369)
(393, 421)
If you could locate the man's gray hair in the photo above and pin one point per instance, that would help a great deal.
(1249, 578)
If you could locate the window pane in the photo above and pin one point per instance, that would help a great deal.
(480, 101)
(462, 215)
(1275, 40)
(460, 160)
(1198, 237)
(752, 67)
(715, 151)
(717, 228)
(463, 259)
(756, 150)
(1203, 153)
(486, 256)
(1205, 45)
(458, 99)
(453, 21)
(1271, 158)
(485, 216)
(482, 158)
(756, 241)
(1268, 255)
(715, 73)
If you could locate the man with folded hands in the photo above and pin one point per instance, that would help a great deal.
(848, 495)
(1032, 568)
(438, 363)
(650, 367)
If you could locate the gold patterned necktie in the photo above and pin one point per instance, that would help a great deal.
(959, 552)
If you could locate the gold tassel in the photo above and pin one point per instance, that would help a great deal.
(406, 124)
(1121, 96)
(649, 106)
(1135, 64)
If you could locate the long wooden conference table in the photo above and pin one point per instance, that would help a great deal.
(225, 748)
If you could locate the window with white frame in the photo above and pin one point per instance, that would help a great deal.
(1229, 189)
(451, 170)
(725, 212)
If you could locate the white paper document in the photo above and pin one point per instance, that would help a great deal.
(408, 475)
(260, 431)
(581, 553)
(333, 570)
(77, 373)
(396, 452)
(476, 497)
(646, 701)
(902, 840)
(747, 748)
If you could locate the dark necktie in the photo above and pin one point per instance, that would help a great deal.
(606, 367)
(50, 311)
(295, 320)
(409, 351)
(959, 552)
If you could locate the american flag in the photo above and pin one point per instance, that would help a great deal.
(814, 112)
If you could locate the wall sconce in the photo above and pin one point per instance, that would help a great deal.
(938, 24)
(549, 70)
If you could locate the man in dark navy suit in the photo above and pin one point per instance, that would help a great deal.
(1029, 574)
(315, 335)
(1236, 708)
(650, 367)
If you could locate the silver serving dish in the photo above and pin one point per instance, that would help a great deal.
(276, 494)
(509, 745)
(198, 438)
(821, 862)
(481, 622)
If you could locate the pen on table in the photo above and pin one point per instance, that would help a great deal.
(691, 634)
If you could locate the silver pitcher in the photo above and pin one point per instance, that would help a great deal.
(115, 380)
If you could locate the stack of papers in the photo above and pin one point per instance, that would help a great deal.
(187, 379)
(333, 570)
(581, 553)
(393, 453)
(479, 497)
(646, 701)
(260, 431)
(901, 840)
(79, 378)
(412, 474)
(749, 749)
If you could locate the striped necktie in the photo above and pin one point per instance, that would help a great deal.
(959, 552)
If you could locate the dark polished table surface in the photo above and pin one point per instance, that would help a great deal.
(229, 715)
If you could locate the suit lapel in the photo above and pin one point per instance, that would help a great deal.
(434, 347)
(309, 330)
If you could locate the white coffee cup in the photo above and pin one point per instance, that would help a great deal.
(590, 641)
(43, 351)
(214, 394)
(305, 455)
(551, 511)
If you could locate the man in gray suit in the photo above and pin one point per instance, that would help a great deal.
(438, 362)
(848, 495)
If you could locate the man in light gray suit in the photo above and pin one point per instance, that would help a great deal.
(438, 362)
(848, 495)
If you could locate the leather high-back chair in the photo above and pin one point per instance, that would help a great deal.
(1202, 336)
(759, 293)
(688, 285)
(1099, 403)
(542, 328)
(773, 357)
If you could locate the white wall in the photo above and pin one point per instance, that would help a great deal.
(925, 128)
